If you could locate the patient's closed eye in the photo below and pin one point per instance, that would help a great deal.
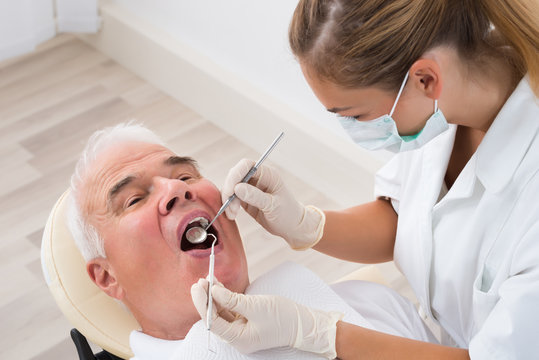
(185, 177)
(133, 201)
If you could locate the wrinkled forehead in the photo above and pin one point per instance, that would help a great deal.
(117, 163)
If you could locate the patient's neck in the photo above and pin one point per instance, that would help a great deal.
(166, 325)
(169, 317)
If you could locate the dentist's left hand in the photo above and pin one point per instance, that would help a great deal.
(267, 321)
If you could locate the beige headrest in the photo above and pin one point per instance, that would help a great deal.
(100, 318)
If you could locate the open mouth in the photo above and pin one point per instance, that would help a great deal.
(186, 245)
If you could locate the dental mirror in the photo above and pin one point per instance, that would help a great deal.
(197, 234)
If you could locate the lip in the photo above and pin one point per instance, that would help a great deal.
(203, 253)
(183, 225)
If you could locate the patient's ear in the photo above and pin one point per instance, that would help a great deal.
(103, 276)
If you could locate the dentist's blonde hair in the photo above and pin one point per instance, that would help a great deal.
(88, 240)
(357, 43)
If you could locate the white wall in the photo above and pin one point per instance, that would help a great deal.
(77, 16)
(23, 24)
(26, 23)
(246, 37)
(230, 62)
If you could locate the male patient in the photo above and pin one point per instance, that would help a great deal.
(132, 200)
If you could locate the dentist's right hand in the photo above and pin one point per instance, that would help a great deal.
(256, 322)
(266, 198)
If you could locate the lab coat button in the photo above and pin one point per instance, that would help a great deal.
(422, 313)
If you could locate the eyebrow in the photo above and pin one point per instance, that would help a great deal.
(176, 160)
(173, 160)
(336, 109)
(115, 190)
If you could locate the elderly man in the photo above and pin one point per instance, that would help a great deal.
(132, 201)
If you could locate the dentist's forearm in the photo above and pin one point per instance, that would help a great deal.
(364, 233)
(354, 342)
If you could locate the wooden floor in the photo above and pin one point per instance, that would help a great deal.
(50, 102)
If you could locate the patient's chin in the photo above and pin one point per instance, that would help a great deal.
(237, 283)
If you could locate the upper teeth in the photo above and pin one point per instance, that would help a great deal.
(203, 221)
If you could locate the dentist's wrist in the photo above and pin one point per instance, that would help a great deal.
(317, 331)
(310, 230)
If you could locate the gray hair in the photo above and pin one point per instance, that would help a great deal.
(88, 240)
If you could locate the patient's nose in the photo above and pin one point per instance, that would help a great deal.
(170, 203)
(173, 193)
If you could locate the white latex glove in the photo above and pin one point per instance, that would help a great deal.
(267, 321)
(271, 204)
(199, 295)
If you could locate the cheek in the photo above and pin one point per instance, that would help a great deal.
(142, 223)
(412, 115)
(133, 236)
(207, 192)
(231, 267)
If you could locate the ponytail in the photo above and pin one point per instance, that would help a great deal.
(517, 22)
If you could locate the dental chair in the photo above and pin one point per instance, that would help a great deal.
(94, 315)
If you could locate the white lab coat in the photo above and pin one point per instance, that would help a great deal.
(471, 255)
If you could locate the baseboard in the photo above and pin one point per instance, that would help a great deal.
(324, 160)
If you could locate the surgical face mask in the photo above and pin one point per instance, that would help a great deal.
(382, 133)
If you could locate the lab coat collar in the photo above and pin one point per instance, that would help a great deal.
(146, 347)
(508, 138)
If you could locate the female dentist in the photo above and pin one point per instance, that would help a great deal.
(452, 87)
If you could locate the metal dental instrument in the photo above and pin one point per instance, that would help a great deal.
(197, 234)
(210, 297)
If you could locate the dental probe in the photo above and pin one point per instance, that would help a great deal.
(210, 297)
(197, 234)
(210, 276)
